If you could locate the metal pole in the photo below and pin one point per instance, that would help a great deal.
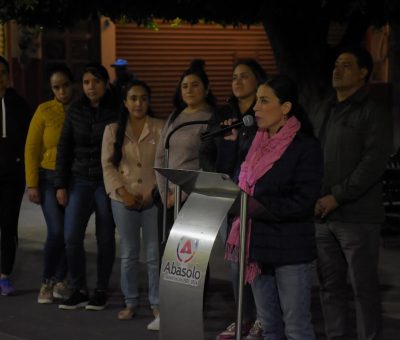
(242, 260)
(166, 164)
(177, 206)
(166, 161)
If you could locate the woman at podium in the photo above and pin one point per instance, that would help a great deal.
(283, 171)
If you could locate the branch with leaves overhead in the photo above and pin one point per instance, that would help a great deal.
(62, 13)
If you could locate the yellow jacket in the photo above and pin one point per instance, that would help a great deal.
(42, 140)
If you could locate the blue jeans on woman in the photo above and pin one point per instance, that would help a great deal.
(86, 197)
(283, 299)
(129, 223)
(55, 262)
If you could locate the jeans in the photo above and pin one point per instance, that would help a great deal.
(55, 261)
(12, 189)
(283, 299)
(86, 197)
(129, 223)
(349, 250)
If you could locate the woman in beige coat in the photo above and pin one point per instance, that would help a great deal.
(128, 153)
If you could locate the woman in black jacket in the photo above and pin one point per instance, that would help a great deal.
(14, 123)
(80, 187)
(283, 171)
(247, 74)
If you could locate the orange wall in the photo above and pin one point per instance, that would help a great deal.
(159, 57)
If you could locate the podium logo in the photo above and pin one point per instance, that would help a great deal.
(186, 249)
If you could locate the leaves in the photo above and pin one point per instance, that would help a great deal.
(61, 13)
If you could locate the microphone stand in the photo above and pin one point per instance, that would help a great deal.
(177, 189)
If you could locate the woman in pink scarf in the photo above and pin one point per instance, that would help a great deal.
(283, 171)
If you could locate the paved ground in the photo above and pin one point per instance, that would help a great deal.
(22, 318)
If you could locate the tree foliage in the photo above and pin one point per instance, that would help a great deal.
(61, 13)
(297, 29)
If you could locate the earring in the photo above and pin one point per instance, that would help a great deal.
(285, 118)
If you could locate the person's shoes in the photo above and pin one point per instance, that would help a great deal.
(155, 324)
(6, 287)
(98, 301)
(46, 293)
(127, 313)
(230, 331)
(78, 299)
(61, 290)
(255, 331)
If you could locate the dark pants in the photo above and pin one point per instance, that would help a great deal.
(86, 197)
(55, 262)
(11, 192)
(349, 251)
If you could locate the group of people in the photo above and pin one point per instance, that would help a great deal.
(318, 173)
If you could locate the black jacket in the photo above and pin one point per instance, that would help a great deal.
(356, 136)
(289, 191)
(18, 116)
(79, 147)
(209, 149)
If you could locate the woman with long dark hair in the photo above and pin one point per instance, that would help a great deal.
(247, 74)
(193, 101)
(128, 153)
(80, 186)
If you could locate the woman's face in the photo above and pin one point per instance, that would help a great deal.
(244, 82)
(193, 91)
(137, 101)
(93, 87)
(269, 112)
(61, 86)
(3, 77)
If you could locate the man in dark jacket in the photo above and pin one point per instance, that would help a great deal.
(356, 138)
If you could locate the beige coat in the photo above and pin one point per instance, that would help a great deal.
(135, 171)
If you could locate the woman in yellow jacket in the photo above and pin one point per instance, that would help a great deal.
(40, 160)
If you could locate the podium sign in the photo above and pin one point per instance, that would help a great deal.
(188, 249)
(184, 264)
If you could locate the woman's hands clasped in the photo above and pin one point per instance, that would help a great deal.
(135, 201)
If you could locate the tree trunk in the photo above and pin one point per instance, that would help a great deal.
(299, 45)
(299, 39)
(394, 79)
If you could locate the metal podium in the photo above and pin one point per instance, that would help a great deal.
(187, 252)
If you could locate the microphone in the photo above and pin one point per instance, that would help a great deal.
(248, 120)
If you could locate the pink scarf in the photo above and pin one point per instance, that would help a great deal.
(263, 153)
